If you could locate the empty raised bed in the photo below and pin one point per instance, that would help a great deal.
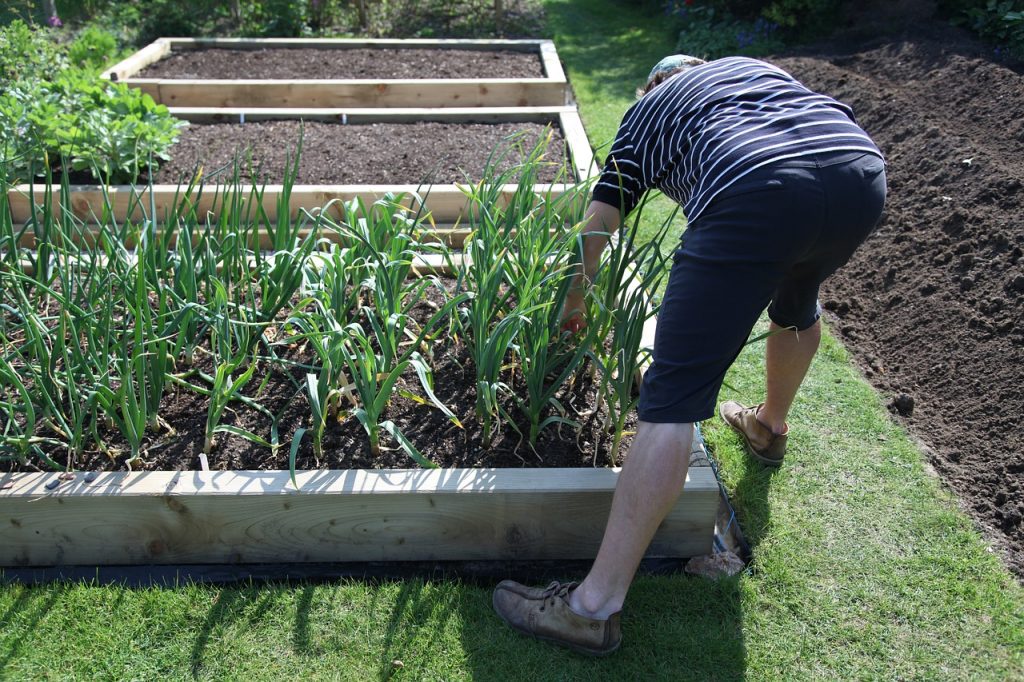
(446, 201)
(382, 73)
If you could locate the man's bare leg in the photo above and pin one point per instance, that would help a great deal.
(648, 486)
(788, 356)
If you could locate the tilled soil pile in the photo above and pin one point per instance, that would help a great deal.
(931, 306)
(358, 63)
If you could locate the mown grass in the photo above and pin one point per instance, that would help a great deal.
(864, 567)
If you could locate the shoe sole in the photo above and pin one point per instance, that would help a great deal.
(746, 443)
(596, 653)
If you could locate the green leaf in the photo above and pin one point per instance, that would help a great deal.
(293, 453)
(407, 445)
(242, 433)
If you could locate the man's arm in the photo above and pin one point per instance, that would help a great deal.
(600, 221)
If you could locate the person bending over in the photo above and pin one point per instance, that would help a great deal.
(779, 186)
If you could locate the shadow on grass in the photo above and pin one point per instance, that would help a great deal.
(224, 610)
(417, 611)
(300, 637)
(251, 603)
(674, 628)
(750, 498)
(30, 608)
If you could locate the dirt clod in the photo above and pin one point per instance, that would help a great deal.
(904, 404)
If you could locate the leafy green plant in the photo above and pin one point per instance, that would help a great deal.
(373, 383)
(201, 290)
(54, 113)
(125, 400)
(623, 298)
(178, 18)
(803, 17)
(227, 384)
(119, 131)
(93, 49)
(327, 388)
(279, 18)
(489, 326)
(28, 53)
(514, 265)
(1000, 21)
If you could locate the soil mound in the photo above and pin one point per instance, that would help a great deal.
(931, 306)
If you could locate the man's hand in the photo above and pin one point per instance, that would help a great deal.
(601, 221)
(574, 318)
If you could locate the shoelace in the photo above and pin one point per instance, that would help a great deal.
(555, 590)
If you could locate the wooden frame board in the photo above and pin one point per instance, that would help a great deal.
(446, 203)
(551, 90)
(196, 517)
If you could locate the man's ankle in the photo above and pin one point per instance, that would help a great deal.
(586, 604)
(777, 427)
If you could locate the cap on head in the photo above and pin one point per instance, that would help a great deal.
(674, 62)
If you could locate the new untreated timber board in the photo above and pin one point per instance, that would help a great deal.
(446, 203)
(551, 90)
(167, 517)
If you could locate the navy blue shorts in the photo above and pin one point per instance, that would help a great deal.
(769, 240)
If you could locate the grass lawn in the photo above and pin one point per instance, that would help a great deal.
(864, 567)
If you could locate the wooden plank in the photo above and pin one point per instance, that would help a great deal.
(424, 92)
(552, 64)
(150, 86)
(397, 515)
(130, 66)
(446, 203)
(579, 145)
(362, 115)
(551, 90)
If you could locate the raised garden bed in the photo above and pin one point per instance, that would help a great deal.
(446, 201)
(225, 506)
(458, 77)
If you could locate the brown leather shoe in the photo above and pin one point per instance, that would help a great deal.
(545, 614)
(762, 444)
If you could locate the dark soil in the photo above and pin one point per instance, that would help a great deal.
(932, 307)
(308, 63)
(279, 386)
(379, 153)
(345, 444)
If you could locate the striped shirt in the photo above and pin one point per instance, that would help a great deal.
(705, 128)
